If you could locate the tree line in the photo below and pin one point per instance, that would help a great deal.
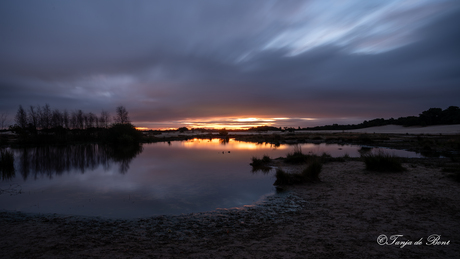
(43, 125)
(44, 118)
(432, 116)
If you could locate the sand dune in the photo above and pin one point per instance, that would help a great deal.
(397, 129)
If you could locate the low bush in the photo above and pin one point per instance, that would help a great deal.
(260, 162)
(382, 162)
(296, 157)
(309, 175)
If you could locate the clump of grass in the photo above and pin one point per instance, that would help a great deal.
(296, 157)
(260, 162)
(382, 162)
(309, 175)
(282, 178)
(6, 164)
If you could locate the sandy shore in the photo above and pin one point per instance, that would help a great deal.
(341, 217)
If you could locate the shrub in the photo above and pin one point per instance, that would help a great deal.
(382, 162)
(260, 162)
(223, 132)
(123, 134)
(311, 173)
(296, 157)
(308, 175)
(282, 178)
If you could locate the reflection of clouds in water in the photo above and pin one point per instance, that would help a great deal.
(186, 176)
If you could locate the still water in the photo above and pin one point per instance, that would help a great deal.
(153, 179)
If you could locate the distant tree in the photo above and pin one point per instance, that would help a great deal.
(56, 119)
(65, 118)
(3, 118)
(104, 120)
(33, 117)
(80, 119)
(182, 129)
(45, 117)
(21, 117)
(86, 121)
(73, 120)
(121, 116)
(91, 120)
(431, 116)
(223, 132)
(96, 121)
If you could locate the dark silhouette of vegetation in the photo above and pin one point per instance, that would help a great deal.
(121, 116)
(264, 128)
(296, 157)
(223, 132)
(3, 119)
(382, 162)
(309, 175)
(432, 116)
(41, 125)
(261, 164)
(123, 134)
(182, 129)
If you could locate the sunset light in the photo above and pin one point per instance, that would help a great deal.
(229, 129)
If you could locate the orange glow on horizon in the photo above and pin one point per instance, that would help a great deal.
(230, 123)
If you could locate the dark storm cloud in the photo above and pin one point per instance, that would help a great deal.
(188, 60)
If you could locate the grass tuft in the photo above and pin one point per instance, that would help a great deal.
(296, 157)
(382, 162)
(260, 162)
(309, 175)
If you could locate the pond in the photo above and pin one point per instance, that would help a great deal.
(154, 179)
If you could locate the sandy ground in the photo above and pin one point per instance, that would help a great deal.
(396, 129)
(341, 217)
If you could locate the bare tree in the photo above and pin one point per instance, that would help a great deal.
(85, 120)
(91, 120)
(39, 117)
(73, 120)
(65, 119)
(21, 117)
(96, 121)
(56, 119)
(33, 117)
(45, 117)
(3, 118)
(80, 119)
(121, 115)
(104, 120)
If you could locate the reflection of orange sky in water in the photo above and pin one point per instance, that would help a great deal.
(232, 144)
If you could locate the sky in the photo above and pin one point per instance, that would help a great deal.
(221, 63)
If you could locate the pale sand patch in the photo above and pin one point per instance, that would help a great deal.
(341, 217)
(397, 129)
